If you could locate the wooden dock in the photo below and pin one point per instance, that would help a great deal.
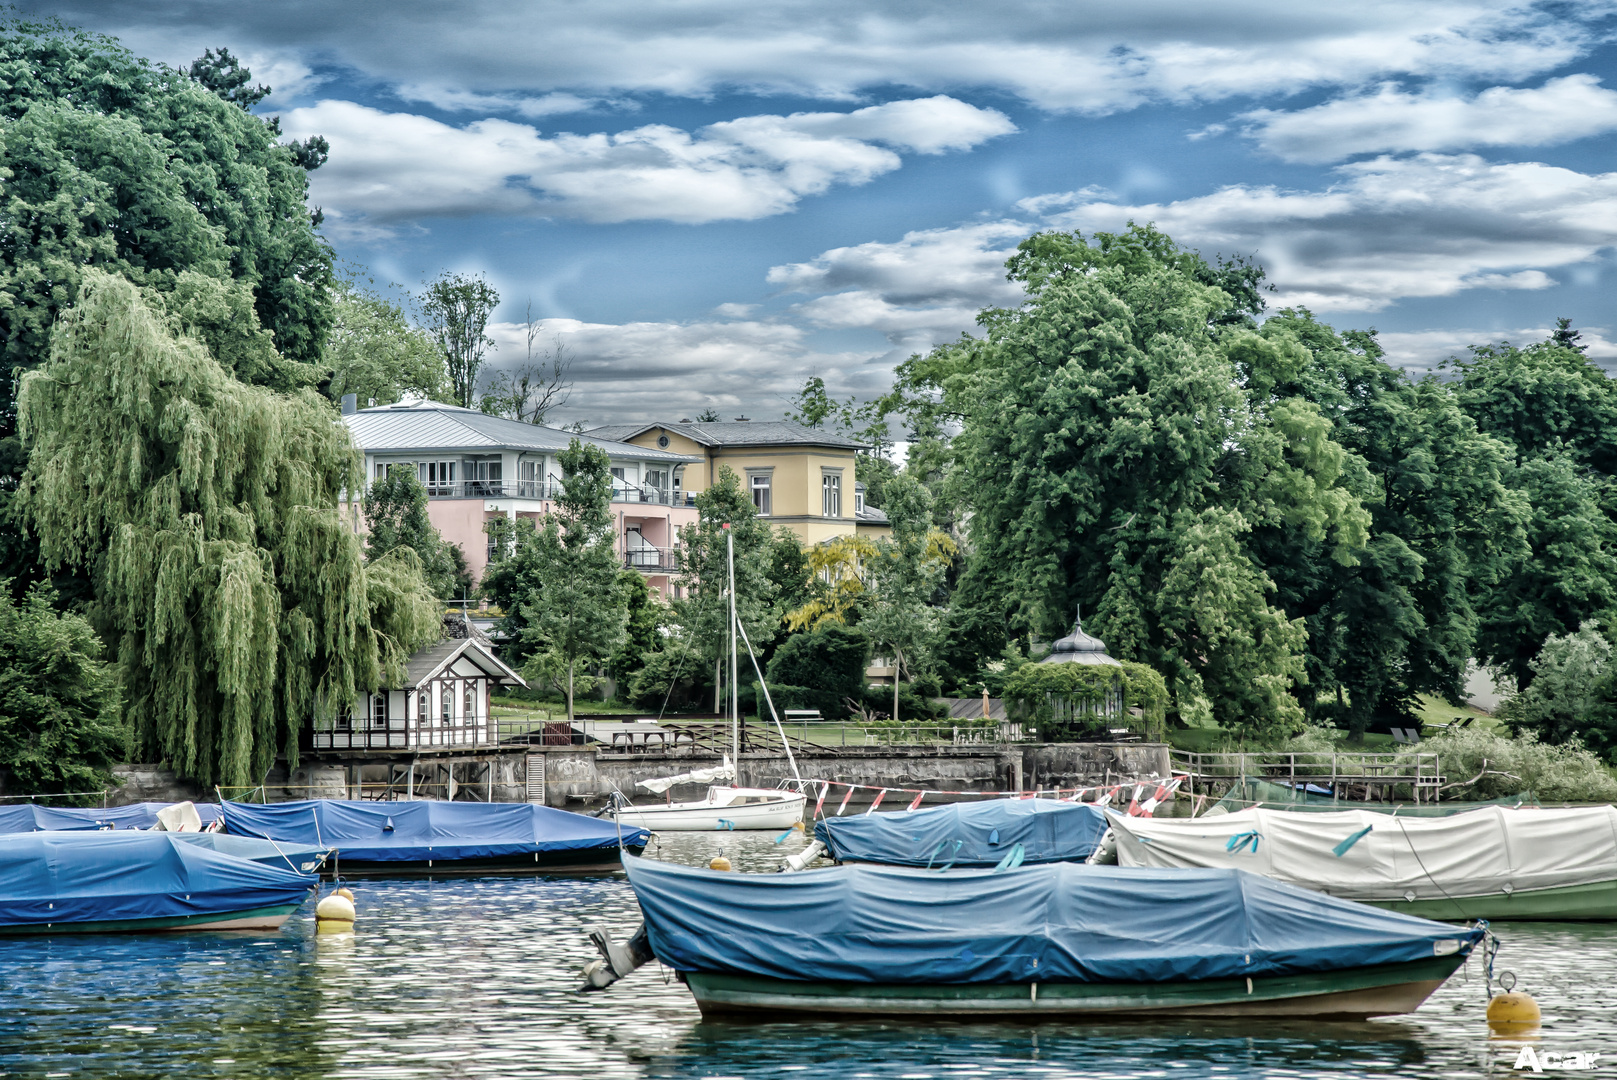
(1350, 775)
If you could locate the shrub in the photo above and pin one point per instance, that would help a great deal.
(828, 665)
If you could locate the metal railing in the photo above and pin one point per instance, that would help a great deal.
(1349, 774)
(549, 489)
(399, 734)
(650, 557)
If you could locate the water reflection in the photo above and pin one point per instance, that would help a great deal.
(477, 977)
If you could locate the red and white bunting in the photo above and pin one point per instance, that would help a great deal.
(825, 789)
(915, 803)
(877, 800)
(1162, 792)
(845, 799)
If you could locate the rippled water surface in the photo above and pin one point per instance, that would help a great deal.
(477, 978)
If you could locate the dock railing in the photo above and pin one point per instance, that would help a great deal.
(1349, 775)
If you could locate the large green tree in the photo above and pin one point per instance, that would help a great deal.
(455, 309)
(567, 574)
(1122, 436)
(205, 511)
(906, 575)
(396, 517)
(59, 729)
(377, 354)
(703, 611)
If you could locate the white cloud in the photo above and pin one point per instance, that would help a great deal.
(928, 285)
(1089, 57)
(1430, 225)
(1423, 350)
(388, 167)
(1573, 107)
(453, 99)
(639, 370)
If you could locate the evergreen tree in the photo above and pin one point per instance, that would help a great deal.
(59, 727)
(205, 512)
(567, 572)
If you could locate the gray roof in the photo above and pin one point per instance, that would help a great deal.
(871, 515)
(736, 433)
(423, 664)
(436, 427)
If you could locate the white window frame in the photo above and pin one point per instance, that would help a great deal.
(831, 493)
(762, 486)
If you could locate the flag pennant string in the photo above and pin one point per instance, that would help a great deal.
(876, 801)
(915, 803)
(845, 799)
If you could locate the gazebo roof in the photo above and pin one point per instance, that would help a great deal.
(1079, 648)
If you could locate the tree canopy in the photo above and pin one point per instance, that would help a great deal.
(396, 517)
(456, 309)
(205, 512)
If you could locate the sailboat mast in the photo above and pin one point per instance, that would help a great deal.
(735, 672)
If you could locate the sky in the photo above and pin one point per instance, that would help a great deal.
(705, 203)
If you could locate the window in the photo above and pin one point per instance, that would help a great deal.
(467, 711)
(657, 485)
(381, 471)
(859, 498)
(438, 477)
(831, 495)
(423, 706)
(760, 493)
(532, 475)
(345, 720)
(662, 441)
(379, 710)
(446, 706)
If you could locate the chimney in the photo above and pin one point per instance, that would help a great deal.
(743, 419)
(350, 404)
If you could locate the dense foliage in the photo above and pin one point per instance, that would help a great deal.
(205, 512)
(823, 670)
(396, 517)
(59, 729)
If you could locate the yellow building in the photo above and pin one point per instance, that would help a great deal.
(798, 477)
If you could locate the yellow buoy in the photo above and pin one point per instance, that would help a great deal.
(1513, 1010)
(335, 913)
(719, 863)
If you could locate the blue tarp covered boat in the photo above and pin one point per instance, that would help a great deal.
(967, 834)
(426, 835)
(33, 817)
(99, 882)
(1040, 940)
(305, 858)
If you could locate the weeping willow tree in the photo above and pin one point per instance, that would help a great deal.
(236, 598)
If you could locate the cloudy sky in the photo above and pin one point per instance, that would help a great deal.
(709, 201)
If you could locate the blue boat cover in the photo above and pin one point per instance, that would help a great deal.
(967, 834)
(31, 817)
(306, 858)
(427, 830)
(76, 877)
(1060, 922)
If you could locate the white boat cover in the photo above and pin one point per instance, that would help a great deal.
(1361, 855)
(661, 784)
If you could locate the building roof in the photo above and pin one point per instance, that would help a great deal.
(436, 427)
(871, 515)
(425, 663)
(1079, 648)
(724, 433)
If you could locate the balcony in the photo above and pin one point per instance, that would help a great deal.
(652, 559)
(550, 489)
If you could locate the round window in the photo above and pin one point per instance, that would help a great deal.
(662, 441)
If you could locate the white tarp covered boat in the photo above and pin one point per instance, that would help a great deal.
(1493, 863)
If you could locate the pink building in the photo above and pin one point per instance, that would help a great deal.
(476, 467)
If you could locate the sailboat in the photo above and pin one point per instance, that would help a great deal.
(725, 807)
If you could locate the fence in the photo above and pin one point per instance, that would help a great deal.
(1348, 774)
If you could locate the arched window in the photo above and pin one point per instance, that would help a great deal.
(446, 705)
(423, 706)
(467, 711)
(379, 710)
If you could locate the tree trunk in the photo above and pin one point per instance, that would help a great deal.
(898, 660)
(570, 693)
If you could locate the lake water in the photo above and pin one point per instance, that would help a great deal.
(477, 978)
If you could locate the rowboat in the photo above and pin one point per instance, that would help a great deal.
(967, 834)
(1058, 939)
(1494, 863)
(93, 882)
(428, 836)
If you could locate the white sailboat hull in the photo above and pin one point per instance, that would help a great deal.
(724, 808)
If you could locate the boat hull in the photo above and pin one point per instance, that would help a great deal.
(585, 861)
(1596, 902)
(1353, 994)
(264, 918)
(705, 817)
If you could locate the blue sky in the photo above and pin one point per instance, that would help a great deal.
(707, 202)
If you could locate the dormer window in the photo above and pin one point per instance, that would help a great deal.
(858, 501)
